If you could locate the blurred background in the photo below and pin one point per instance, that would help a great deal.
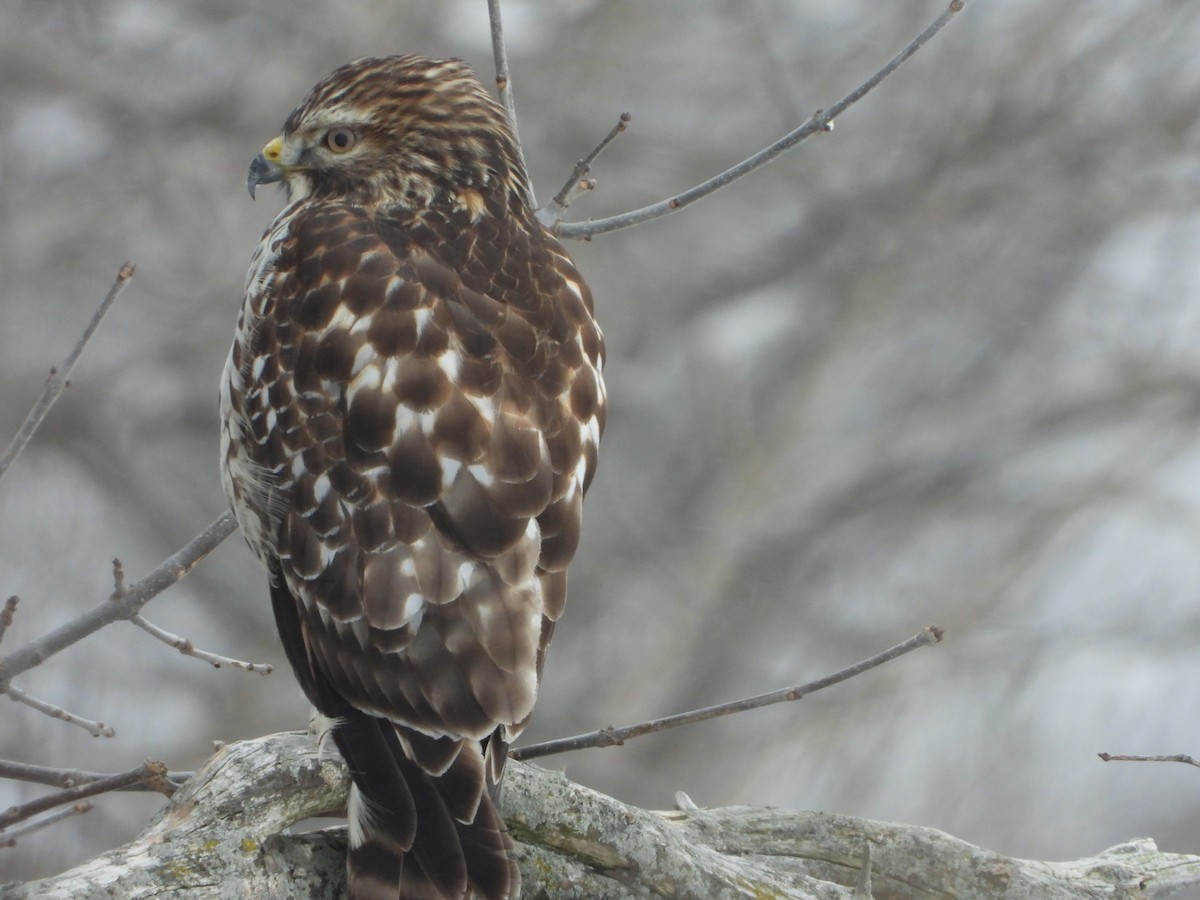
(939, 366)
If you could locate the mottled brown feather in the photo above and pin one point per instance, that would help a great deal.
(411, 410)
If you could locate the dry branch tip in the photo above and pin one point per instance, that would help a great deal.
(821, 121)
(186, 647)
(94, 728)
(7, 614)
(1176, 757)
(610, 736)
(59, 377)
(118, 579)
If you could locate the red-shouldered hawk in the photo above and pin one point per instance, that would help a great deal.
(411, 411)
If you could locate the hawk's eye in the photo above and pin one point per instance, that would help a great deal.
(340, 140)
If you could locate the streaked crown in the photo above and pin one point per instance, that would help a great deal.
(401, 129)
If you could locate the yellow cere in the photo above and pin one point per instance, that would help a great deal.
(274, 150)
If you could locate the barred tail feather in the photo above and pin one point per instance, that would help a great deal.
(450, 843)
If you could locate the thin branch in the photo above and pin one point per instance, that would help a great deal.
(67, 778)
(151, 773)
(608, 737)
(576, 183)
(119, 589)
(504, 84)
(115, 608)
(187, 648)
(1178, 757)
(6, 616)
(820, 121)
(95, 729)
(9, 838)
(57, 382)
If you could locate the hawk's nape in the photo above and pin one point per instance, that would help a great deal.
(411, 412)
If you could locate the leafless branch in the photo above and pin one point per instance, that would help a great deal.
(151, 775)
(187, 648)
(504, 83)
(1178, 757)
(608, 737)
(116, 608)
(576, 183)
(10, 837)
(820, 121)
(95, 729)
(182, 644)
(57, 382)
(67, 778)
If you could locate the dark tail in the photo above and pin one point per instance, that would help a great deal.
(423, 822)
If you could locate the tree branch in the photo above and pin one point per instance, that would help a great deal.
(820, 121)
(504, 84)
(10, 837)
(95, 729)
(1178, 757)
(58, 380)
(222, 836)
(187, 648)
(608, 737)
(150, 775)
(65, 778)
(575, 185)
(126, 606)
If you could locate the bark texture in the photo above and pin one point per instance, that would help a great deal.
(224, 835)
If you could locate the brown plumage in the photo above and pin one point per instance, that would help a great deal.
(411, 411)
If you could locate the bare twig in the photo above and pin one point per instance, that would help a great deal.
(820, 121)
(125, 603)
(57, 382)
(6, 616)
(118, 579)
(95, 729)
(1178, 757)
(180, 643)
(116, 608)
(577, 183)
(608, 737)
(10, 837)
(151, 774)
(504, 84)
(67, 778)
(187, 648)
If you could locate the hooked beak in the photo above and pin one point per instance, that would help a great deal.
(266, 168)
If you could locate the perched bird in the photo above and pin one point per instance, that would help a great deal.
(411, 411)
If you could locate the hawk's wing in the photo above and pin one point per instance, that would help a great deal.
(415, 406)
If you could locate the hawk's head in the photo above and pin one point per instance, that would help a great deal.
(401, 129)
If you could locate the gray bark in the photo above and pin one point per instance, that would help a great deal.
(226, 835)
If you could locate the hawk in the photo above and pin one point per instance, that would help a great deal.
(411, 411)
